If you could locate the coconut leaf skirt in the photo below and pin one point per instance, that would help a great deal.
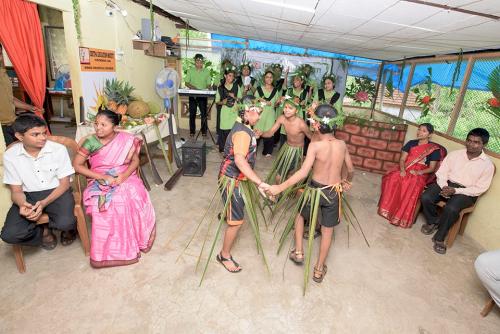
(289, 159)
(310, 197)
(239, 191)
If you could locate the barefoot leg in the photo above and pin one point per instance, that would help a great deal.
(299, 232)
(229, 237)
(324, 248)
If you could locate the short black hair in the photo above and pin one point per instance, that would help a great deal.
(428, 126)
(481, 133)
(198, 56)
(112, 116)
(268, 71)
(328, 112)
(27, 121)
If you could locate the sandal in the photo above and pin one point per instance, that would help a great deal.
(51, 243)
(296, 256)
(317, 233)
(221, 259)
(319, 279)
(428, 228)
(67, 237)
(440, 247)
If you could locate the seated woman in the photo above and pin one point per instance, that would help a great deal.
(123, 218)
(402, 189)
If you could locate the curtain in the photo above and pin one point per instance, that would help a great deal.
(21, 36)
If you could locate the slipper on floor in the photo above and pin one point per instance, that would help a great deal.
(49, 245)
(440, 247)
(68, 240)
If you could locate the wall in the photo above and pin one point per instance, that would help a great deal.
(112, 33)
(484, 222)
(101, 31)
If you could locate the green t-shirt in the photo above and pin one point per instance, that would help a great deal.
(200, 79)
(328, 96)
(268, 115)
(228, 114)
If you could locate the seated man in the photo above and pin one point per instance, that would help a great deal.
(488, 270)
(462, 177)
(38, 173)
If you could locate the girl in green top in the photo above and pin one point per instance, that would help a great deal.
(246, 82)
(328, 94)
(268, 95)
(227, 97)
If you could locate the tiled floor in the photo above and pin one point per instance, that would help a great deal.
(398, 285)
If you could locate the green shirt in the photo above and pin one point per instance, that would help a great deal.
(268, 115)
(328, 96)
(200, 79)
(228, 114)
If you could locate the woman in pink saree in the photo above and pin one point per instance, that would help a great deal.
(123, 217)
(401, 189)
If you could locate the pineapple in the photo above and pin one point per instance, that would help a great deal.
(118, 94)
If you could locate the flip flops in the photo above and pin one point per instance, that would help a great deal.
(221, 259)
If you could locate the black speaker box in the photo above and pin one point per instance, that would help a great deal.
(194, 158)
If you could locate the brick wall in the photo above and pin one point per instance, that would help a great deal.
(374, 146)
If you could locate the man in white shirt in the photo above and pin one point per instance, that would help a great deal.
(462, 177)
(38, 173)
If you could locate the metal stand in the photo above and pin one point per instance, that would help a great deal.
(208, 129)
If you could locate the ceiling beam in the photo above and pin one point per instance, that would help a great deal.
(454, 9)
(180, 22)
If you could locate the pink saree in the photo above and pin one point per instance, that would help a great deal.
(123, 217)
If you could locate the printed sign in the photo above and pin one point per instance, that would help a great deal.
(97, 60)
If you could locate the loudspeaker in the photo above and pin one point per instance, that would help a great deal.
(194, 158)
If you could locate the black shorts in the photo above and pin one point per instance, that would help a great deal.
(328, 209)
(236, 208)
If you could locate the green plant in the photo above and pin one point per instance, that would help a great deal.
(76, 16)
(389, 86)
(361, 90)
(494, 86)
(424, 97)
(152, 19)
(456, 72)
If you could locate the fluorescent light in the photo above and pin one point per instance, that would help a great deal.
(182, 13)
(285, 5)
(407, 26)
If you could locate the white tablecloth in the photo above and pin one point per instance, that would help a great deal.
(83, 130)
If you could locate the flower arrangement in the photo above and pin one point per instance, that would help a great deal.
(493, 104)
(361, 90)
(424, 97)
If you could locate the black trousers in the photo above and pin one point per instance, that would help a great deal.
(267, 145)
(222, 139)
(8, 134)
(450, 212)
(21, 231)
(194, 103)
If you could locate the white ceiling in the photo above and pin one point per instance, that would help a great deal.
(379, 29)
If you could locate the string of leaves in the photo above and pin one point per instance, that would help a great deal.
(456, 72)
(401, 73)
(76, 16)
(152, 19)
